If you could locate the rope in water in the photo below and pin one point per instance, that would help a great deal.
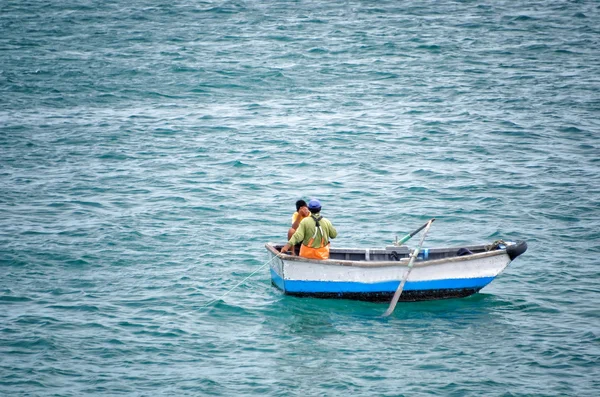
(238, 284)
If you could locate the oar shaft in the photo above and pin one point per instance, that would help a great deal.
(414, 255)
(410, 235)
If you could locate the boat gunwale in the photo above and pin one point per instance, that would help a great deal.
(368, 264)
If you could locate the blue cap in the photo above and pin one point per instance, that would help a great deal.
(314, 204)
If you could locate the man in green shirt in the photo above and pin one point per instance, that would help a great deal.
(314, 232)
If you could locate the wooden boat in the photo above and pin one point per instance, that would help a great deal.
(374, 274)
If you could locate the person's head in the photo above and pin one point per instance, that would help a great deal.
(314, 206)
(300, 204)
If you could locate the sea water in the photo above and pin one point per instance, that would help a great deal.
(149, 150)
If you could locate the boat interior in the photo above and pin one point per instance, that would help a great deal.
(394, 253)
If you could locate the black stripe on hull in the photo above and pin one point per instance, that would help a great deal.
(407, 296)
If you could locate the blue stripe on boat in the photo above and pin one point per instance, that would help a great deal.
(277, 280)
(298, 286)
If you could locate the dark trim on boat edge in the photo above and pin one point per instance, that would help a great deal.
(407, 296)
(515, 250)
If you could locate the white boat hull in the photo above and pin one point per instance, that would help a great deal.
(429, 279)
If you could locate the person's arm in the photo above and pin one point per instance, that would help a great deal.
(285, 248)
(294, 227)
(332, 231)
(296, 238)
(297, 223)
(301, 214)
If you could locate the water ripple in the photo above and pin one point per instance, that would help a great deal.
(149, 151)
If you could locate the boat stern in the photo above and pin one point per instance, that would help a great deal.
(276, 267)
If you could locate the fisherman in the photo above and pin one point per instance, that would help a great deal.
(301, 213)
(314, 232)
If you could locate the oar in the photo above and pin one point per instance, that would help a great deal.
(408, 236)
(394, 301)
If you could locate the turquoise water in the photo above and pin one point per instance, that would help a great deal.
(148, 151)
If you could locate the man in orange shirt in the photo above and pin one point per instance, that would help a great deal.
(301, 213)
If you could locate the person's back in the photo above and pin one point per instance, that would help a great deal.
(314, 232)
